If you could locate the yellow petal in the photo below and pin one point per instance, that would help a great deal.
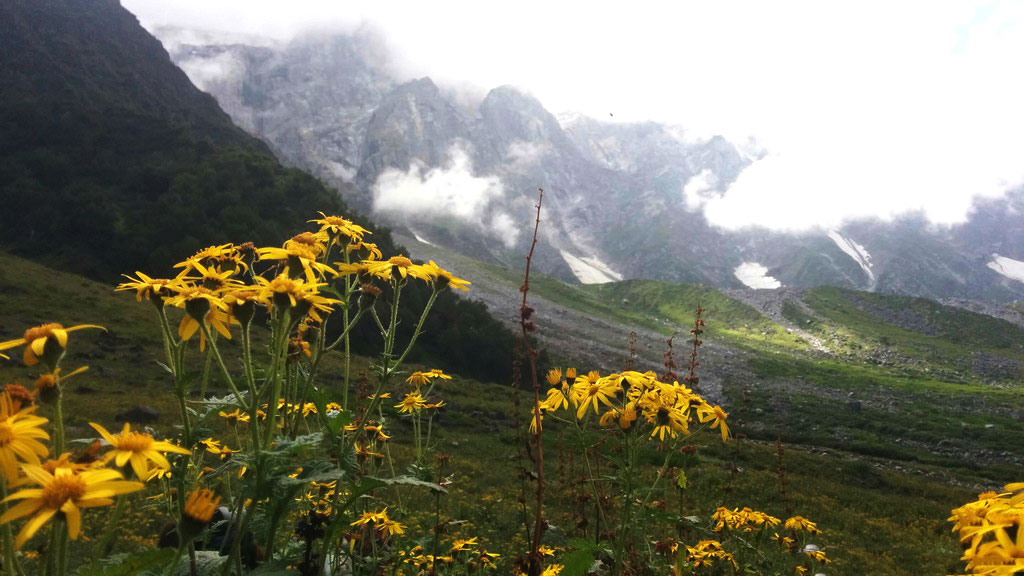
(21, 509)
(33, 526)
(39, 345)
(104, 432)
(73, 516)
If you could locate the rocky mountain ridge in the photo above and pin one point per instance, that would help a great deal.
(621, 200)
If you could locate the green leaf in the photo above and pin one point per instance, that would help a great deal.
(577, 562)
(681, 480)
(148, 562)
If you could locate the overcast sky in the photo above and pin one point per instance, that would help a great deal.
(864, 108)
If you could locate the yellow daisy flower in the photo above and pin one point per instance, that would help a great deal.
(20, 434)
(397, 266)
(66, 492)
(443, 278)
(336, 226)
(45, 339)
(153, 289)
(413, 401)
(200, 505)
(138, 449)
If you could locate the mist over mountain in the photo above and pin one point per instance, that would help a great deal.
(622, 200)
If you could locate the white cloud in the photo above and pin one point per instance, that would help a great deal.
(206, 72)
(451, 190)
(865, 107)
(522, 154)
(699, 189)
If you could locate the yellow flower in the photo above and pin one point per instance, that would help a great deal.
(460, 545)
(149, 288)
(215, 448)
(553, 570)
(235, 417)
(442, 277)
(201, 505)
(715, 415)
(294, 293)
(138, 449)
(418, 378)
(336, 226)
(413, 401)
(45, 339)
(65, 492)
(301, 253)
(438, 373)
(801, 523)
(554, 376)
(381, 523)
(397, 267)
(20, 435)
(587, 393)
(224, 257)
(556, 400)
(368, 248)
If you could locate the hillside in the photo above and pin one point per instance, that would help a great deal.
(880, 516)
(111, 161)
(910, 380)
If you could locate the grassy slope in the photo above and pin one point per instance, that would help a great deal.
(878, 520)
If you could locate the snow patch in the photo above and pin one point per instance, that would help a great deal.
(590, 270)
(1012, 269)
(421, 239)
(855, 251)
(754, 275)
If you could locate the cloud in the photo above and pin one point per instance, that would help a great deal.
(699, 189)
(452, 190)
(522, 154)
(871, 106)
(207, 72)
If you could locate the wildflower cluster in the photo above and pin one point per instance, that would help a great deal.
(630, 400)
(234, 459)
(991, 530)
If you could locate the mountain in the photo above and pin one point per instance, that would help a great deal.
(622, 200)
(112, 161)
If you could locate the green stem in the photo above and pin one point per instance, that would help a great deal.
(223, 368)
(280, 351)
(106, 542)
(60, 527)
(206, 372)
(419, 325)
(58, 423)
(10, 561)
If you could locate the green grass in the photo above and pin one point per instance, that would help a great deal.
(877, 519)
(915, 327)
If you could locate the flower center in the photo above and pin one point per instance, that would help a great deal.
(400, 261)
(134, 442)
(61, 489)
(41, 331)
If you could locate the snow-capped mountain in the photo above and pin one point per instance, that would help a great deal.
(621, 200)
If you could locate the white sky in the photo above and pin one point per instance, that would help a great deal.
(865, 108)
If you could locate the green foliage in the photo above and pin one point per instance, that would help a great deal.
(131, 564)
